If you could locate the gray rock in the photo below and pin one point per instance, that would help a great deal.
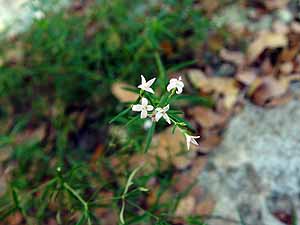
(258, 161)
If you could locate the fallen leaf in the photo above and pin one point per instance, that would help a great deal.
(265, 40)
(226, 87)
(295, 27)
(171, 148)
(286, 68)
(280, 27)
(15, 219)
(235, 57)
(31, 134)
(268, 88)
(96, 155)
(246, 77)
(209, 143)
(275, 4)
(186, 206)
(206, 206)
(123, 95)
(206, 117)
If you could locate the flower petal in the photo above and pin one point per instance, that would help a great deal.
(150, 82)
(137, 108)
(150, 107)
(143, 80)
(144, 102)
(171, 86)
(158, 109)
(188, 140)
(179, 90)
(144, 114)
(149, 89)
(166, 108)
(158, 115)
(180, 84)
(167, 118)
(194, 141)
(173, 80)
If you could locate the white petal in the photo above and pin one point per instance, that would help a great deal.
(143, 80)
(180, 84)
(166, 117)
(166, 108)
(150, 107)
(141, 86)
(194, 141)
(158, 109)
(171, 86)
(188, 143)
(195, 137)
(149, 89)
(158, 116)
(150, 82)
(173, 80)
(179, 90)
(144, 102)
(144, 114)
(137, 108)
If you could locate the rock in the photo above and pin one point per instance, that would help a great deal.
(257, 163)
(21, 14)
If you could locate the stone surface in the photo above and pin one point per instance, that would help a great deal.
(17, 15)
(257, 163)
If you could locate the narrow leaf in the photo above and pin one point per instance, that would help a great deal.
(149, 136)
(123, 113)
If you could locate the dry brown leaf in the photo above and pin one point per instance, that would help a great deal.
(198, 165)
(209, 143)
(123, 95)
(246, 77)
(209, 6)
(96, 155)
(206, 206)
(153, 196)
(197, 78)
(275, 4)
(37, 134)
(220, 85)
(288, 54)
(147, 160)
(207, 118)
(182, 182)
(282, 100)
(286, 68)
(15, 219)
(235, 57)
(280, 27)
(266, 40)
(172, 148)
(268, 88)
(186, 206)
(295, 27)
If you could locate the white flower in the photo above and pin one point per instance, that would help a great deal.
(146, 85)
(143, 108)
(162, 112)
(176, 83)
(190, 139)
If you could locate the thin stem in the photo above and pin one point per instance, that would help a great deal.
(76, 195)
(137, 206)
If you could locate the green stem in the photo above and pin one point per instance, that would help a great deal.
(77, 196)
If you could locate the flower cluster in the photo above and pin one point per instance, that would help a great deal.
(161, 109)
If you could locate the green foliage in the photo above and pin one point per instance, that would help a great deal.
(65, 65)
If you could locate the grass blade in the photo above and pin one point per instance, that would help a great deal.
(149, 137)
